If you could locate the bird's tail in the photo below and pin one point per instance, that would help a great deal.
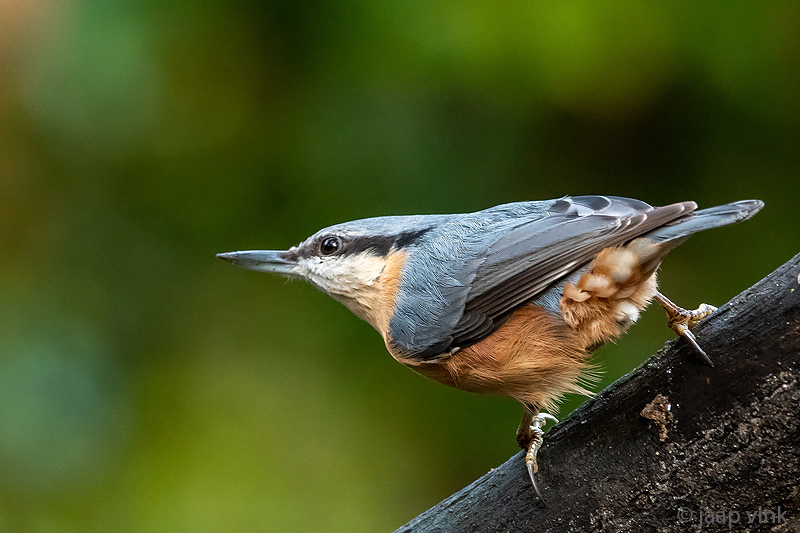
(652, 247)
(678, 230)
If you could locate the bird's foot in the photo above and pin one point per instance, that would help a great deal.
(682, 320)
(530, 437)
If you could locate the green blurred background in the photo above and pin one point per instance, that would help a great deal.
(147, 386)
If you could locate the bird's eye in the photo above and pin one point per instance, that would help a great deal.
(330, 245)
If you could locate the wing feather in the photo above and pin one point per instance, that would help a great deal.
(512, 254)
(533, 258)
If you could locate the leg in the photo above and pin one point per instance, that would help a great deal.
(530, 438)
(681, 320)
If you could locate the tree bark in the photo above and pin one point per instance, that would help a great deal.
(675, 445)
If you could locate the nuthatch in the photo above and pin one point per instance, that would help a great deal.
(510, 300)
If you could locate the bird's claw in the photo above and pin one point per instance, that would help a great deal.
(681, 321)
(535, 430)
(689, 317)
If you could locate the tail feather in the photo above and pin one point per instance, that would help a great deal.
(713, 217)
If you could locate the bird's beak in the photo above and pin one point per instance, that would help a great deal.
(262, 261)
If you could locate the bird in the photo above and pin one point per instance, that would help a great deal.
(511, 300)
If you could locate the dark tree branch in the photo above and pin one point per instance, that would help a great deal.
(670, 442)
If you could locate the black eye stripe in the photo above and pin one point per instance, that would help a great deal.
(379, 244)
(410, 237)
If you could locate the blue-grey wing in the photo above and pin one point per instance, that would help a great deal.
(477, 268)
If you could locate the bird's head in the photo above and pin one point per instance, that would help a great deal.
(358, 263)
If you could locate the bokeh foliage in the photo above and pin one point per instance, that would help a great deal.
(147, 386)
